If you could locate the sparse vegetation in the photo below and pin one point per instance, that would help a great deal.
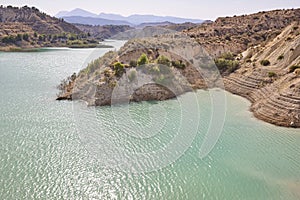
(119, 69)
(293, 68)
(272, 74)
(227, 56)
(226, 65)
(281, 57)
(162, 60)
(143, 60)
(265, 62)
(178, 64)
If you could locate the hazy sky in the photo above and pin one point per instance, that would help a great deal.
(209, 9)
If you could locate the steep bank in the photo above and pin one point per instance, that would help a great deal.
(261, 63)
(274, 89)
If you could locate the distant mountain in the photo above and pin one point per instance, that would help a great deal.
(121, 20)
(94, 21)
(75, 12)
(112, 16)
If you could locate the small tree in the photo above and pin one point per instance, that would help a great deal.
(119, 69)
(143, 60)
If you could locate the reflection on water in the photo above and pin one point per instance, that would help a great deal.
(46, 147)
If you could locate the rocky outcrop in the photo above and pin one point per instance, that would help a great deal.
(118, 77)
(236, 34)
(274, 90)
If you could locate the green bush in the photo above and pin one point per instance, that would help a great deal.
(26, 37)
(265, 62)
(19, 37)
(178, 64)
(9, 39)
(227, 56)
(162, 60)
(119, 69)
(293, 68)
(143, 60)
(272, 74)
(226, 65)
(280, 57)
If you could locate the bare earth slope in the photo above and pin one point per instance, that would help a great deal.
(274, 90)
(236, 34)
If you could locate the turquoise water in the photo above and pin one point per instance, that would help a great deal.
(66, 150)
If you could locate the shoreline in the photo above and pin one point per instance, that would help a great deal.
(38, 49)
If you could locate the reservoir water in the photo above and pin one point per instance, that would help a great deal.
(66, 150)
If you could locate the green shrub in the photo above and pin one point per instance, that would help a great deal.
(227, 56)
(26, 37)
(119, 69)
(9, 39)
(143, 60)
(226, 65)
(280, 57)
(178, 64)
(19, 37)
(265, 62)
(162, 60)
(293, 68)
(272, 74)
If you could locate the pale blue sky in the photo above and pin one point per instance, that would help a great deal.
(209, 9)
